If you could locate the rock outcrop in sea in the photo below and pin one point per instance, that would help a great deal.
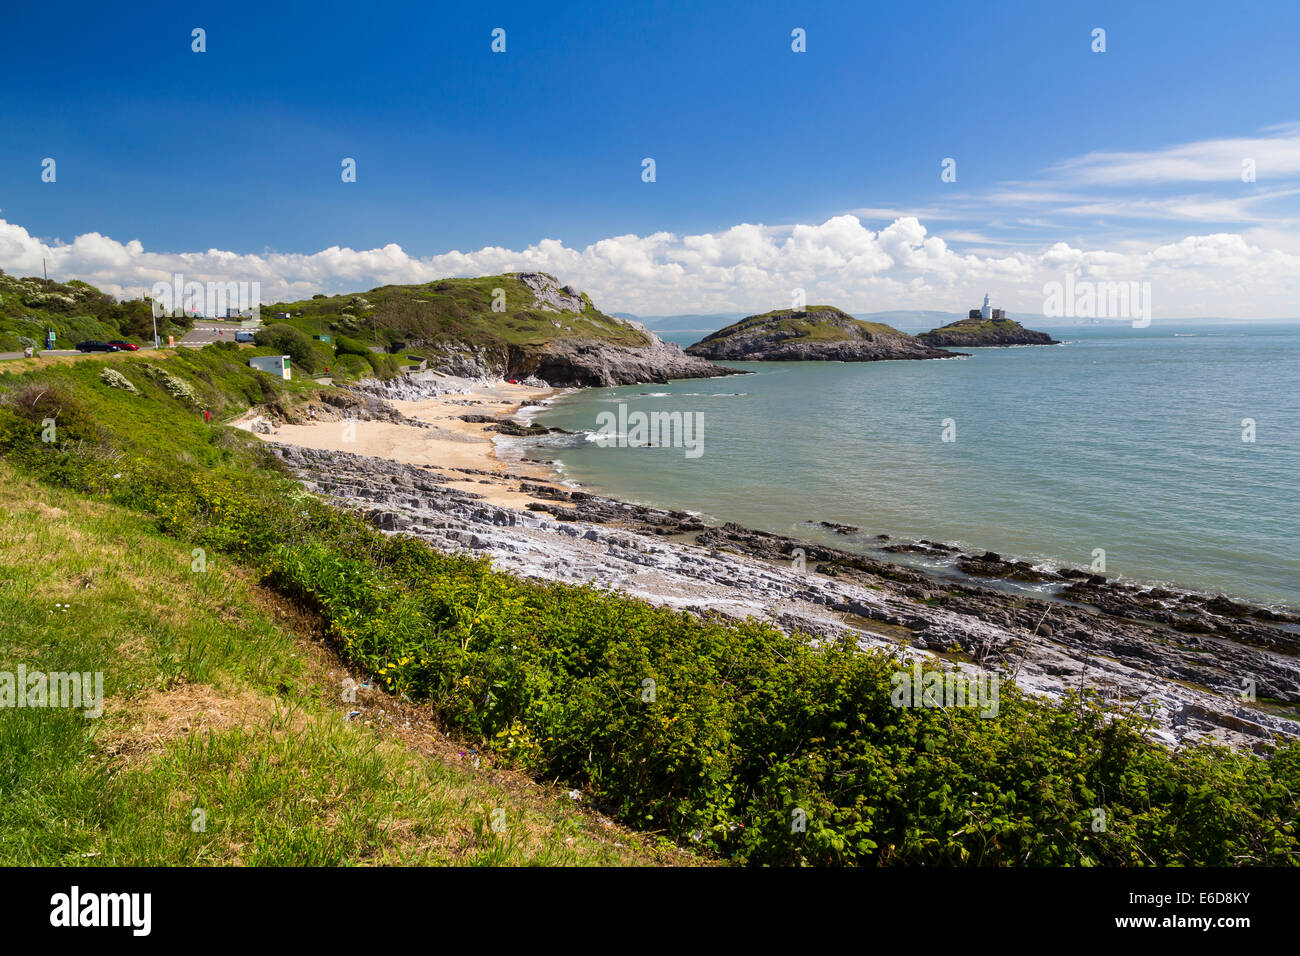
(982, 333)
(820, 333)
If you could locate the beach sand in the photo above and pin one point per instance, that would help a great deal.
(449, 445)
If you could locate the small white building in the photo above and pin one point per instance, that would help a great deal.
(275, 364)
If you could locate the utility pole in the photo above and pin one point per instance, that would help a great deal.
(44, 271)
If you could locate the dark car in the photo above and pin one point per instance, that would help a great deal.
(124, 346)
(94, 346)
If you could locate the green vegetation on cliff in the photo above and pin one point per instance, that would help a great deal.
(723, 735)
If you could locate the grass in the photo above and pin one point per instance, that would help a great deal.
(215, 702)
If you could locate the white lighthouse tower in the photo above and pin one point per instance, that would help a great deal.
(986, 312)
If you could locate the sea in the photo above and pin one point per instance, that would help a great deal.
(1164, 455)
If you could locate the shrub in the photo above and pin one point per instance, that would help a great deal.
(343, 345)
(289, 341)
(350, 367)
(175, 387)
(384, 366)
(115, 379)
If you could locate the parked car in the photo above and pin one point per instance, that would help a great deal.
(124, 346)
(94, 346)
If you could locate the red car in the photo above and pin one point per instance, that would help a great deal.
(125, 346)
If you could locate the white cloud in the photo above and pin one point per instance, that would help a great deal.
(1111, 196)
(1211, 160)
(747, 267)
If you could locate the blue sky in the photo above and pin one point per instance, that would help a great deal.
(457, 148)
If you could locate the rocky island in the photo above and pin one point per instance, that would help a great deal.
(984, 328)
(820, 333)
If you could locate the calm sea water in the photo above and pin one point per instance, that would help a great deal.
(1127, 440)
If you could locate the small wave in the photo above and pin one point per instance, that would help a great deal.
(556, 440)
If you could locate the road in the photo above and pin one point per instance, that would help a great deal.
(205, 332)
(48, 353)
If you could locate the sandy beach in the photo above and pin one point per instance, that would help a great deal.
(463, 452)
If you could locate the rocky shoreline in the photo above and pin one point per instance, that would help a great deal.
(1182, 657)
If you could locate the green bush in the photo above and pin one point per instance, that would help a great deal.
(343, 345)
(383, 366)
(350, 367)
(288, 341)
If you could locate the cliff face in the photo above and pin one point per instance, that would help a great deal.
(573, 362)
(979, 333)
(576, 362)
(822, 333)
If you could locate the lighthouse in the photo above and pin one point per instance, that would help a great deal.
(986, 312)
